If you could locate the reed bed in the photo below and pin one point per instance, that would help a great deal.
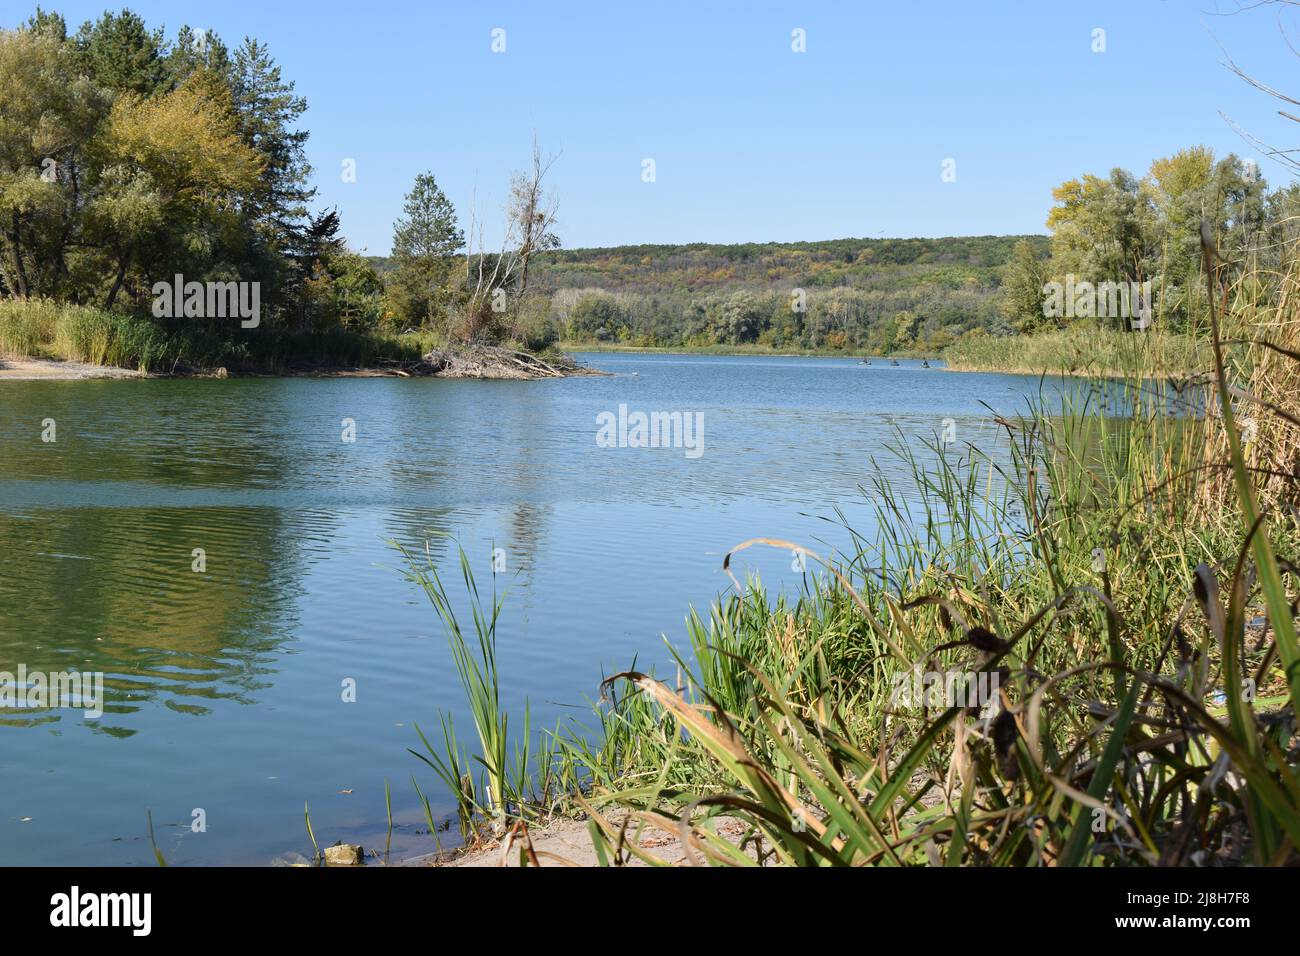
(1262, 375)
(1083, 349)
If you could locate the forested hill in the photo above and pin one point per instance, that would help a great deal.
(861, 263)
(871, 294)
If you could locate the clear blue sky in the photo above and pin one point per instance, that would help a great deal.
(753, 142)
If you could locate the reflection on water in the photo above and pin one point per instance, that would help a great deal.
(223, 684)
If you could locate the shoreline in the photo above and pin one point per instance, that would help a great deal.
(1024, 370)
(451, 365)
(739, 352)
(29, 369)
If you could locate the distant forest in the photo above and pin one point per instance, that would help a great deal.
(877, 295)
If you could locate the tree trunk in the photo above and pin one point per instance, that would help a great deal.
(20, 271)
(117, 281)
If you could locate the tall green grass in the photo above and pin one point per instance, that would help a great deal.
(511, 781)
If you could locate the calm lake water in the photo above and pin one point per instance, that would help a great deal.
(224, 688)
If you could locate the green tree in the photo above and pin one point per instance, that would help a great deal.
(48, 24)
(1096, 228)
(175, 166)
(425, 242)
(195, 49)
(268, 111)
(597, 315)
(48, 114)
(739, 319)
(122, 54)
(1182, 190)
(1023, 278)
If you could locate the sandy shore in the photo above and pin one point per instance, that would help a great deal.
(31, 369)
(559, 843)
(564, 842)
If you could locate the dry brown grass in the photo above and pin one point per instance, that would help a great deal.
(1262, 318)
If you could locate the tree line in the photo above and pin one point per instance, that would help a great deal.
(1120, 228)
(878, 295)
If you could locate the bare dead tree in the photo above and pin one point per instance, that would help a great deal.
(496, 282)
(533, 213)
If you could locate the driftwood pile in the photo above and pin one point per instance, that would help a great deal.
(494, 361)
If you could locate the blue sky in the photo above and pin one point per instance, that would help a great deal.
(751, 141)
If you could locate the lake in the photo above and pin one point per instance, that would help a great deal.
(224, 686)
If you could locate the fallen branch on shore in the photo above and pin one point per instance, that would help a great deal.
(496, 361)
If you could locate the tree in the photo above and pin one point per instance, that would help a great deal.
(739, 319)
(1179, 189)
(1023, 278)
(358, 288)
(195, 49)
(320, 300)
(343, 290)
(49, 114)
(321, 239)
(532, 215)
(908, 326)
(268, 110)
(1182, 190)
(48, 24)
(425, 242)
(174, 164)
(122, 54)
(597, 315)
(496, 285)
(1096, 228)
